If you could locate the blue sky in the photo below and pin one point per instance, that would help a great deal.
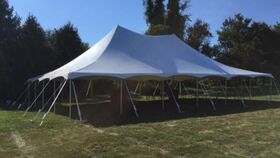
(95, 18)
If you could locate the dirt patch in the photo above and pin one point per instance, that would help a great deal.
(22, 145)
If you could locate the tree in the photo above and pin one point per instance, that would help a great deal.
(149, 13)
(198, 36)
(9, 29)
(159, 13)
(158, 30)
(34, 48)
(233, 41)
(177, 17)
(249, 45)
(66, 44)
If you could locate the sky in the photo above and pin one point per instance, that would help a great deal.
(95, 18)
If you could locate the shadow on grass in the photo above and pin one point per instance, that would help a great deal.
(105, 115)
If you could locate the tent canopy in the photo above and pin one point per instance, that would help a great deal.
(125, 54)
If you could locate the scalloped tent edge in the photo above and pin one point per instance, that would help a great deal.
(125, 54)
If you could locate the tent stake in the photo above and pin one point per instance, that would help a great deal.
(45, 115)
(35, 100)
(77, 102)
(134, 107)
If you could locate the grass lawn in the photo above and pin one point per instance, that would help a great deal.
(250, 134)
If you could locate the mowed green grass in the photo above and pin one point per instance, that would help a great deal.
(252, 134)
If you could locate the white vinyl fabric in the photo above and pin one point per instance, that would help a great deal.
(126, 54)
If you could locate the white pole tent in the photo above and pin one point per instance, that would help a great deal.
(125, 55)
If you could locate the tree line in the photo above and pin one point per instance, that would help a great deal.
(27, 50)
(242, 42)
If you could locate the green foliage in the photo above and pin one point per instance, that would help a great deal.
(67, 44)
(249, 45)
(149, 13)
(155, 12)
(198, 37)
(28, 50)
(170, 21)
(159, 12)
(34, 49)
(177, 17)
(158, 30)
(9, 33)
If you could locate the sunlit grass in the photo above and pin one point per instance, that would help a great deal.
(252, 134)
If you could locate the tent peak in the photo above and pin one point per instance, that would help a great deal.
(121, 29)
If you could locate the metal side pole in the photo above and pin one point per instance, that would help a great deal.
(250, 87)
(176, 85)
(77, 102)
(54, 94)
(247, 88)
(173, 96)
(154, 93)
(140, 88)
(46, 103)
(70, 99)
(180, 88)
(91, 89)
(35, 92)
(136, 88)
(134, 107)
(270, 96)
(197, 94)
(162, 96)
(240, 97)
(43, 95)
(45, 115)
(88, 88)
(185, 88)
(35, 99)
(226, 97)
(28, 100)
(22, 94)
(261, 90)
(277, 90)
(121, 97)
(205, 91)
